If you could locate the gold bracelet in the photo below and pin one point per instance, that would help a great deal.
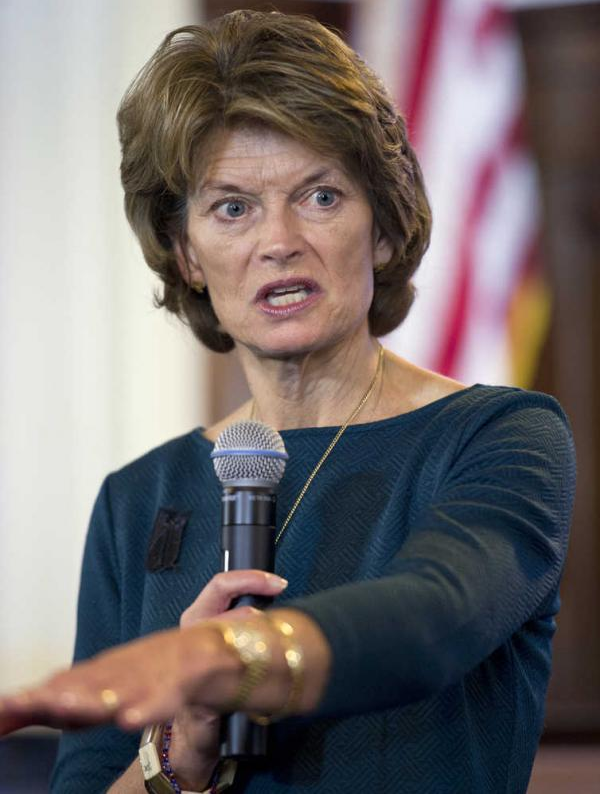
(250, 645)
(294, 658)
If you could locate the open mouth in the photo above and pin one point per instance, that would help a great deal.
(285, 296)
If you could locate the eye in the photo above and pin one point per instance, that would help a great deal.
(235, 208)
(325, 197)
(230, 209)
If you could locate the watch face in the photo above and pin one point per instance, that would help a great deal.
(155, 779)
(149, 760)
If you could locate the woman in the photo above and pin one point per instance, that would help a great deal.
(272, 187)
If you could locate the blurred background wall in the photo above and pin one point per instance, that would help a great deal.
(91, 374)
(502, 105)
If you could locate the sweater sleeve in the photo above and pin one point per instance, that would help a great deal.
(90, 760)
(483, 557)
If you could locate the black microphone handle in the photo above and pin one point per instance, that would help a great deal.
(247, 546)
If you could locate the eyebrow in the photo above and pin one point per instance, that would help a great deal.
(226, 187)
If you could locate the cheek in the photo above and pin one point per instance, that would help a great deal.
(355, 257)
(220, 262)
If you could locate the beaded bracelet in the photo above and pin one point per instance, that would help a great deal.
(158, 772)
(164, 757)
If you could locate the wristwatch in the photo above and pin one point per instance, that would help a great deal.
(155, 778)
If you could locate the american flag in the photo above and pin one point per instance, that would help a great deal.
(482, 308)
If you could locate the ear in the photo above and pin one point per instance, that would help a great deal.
(383, 250)
(187, 261)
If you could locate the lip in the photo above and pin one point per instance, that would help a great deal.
(289, 309)
(290, 282)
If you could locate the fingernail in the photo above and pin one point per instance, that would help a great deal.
(277, 581)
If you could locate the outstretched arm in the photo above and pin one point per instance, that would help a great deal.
(152, 679)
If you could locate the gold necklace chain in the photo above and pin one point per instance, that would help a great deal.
(332, 444)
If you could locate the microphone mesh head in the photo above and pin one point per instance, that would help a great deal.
(249, 450)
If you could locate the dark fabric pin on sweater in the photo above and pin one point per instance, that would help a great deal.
(165, 542)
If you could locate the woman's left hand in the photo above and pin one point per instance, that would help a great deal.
(146, 681)
(151, 679)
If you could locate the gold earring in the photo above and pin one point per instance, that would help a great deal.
(198, 287)
(378, 268)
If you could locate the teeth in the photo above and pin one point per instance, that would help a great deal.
(281, 290)
(288, 298)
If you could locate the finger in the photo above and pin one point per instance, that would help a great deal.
(242, 613)
(44, 706)
(226, 586)
(9, 721)
(88, 694)
(111, 686)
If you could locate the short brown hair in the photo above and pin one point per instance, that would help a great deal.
(296, 76)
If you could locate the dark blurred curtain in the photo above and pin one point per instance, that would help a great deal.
(562, 57)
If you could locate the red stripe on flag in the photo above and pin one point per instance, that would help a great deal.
(422, 68)
(455, 326)
(493, 21)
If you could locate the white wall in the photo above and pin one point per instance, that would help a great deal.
(91, 375)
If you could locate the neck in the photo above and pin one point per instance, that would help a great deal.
(314, 389)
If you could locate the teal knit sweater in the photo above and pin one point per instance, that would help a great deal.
(429, 550)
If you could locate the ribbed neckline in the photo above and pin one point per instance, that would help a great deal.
(364, 427)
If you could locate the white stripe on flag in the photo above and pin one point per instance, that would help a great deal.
(480, 182)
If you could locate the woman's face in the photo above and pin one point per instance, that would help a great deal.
(284, 240)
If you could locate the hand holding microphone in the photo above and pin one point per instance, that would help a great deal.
(249, 459)
(187, 673)
(245, 464)
(196, 730)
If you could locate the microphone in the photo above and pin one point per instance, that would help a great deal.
(249, 459)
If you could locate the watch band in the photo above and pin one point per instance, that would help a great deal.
(250, 645)
(224, 775)
(294, 658)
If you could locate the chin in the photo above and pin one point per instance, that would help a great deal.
(297, 337)
(282, 346)
(292, 346)
(283, 352)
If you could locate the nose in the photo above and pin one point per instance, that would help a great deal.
(280, 239)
